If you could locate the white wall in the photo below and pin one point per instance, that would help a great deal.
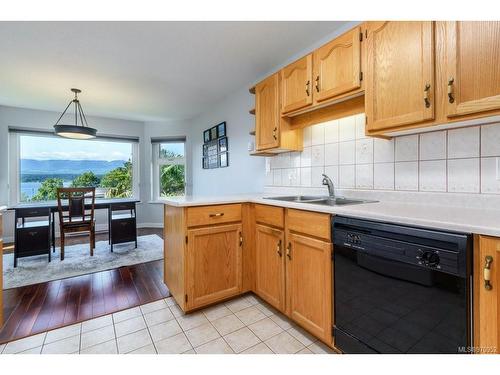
(244, 174)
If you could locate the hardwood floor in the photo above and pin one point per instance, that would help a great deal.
(36, 308)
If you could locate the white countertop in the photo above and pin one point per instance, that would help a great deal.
(471, 220)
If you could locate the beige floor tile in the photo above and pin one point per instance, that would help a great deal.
(217, 346)
(153, 306)
(158, 316)
(63, 333)
(93, 324)
(241, 339)
(260, 348)
(129, 326)
(227, 324)
(216, 312)
(170, 301)
(24, 344)
(305, 351)
(37, 350)
(108, 347)
(173, 345)
(303, 336)
(163, 330)
(266, 309)
(133, 341)
(192, 320)
(191, 351)
(319, 348)
(282, 321)
(176, 310)
(149, 349)
(97, 336)
(284, 343)
(252, 300)
(65, 346)
(238, 304)
(250, 315)
(126, 314)
(265, 329)
(202, 334)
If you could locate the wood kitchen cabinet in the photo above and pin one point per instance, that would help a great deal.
(309, 272)
(472, 67)
(296, 85)
(487, 294)
(272, 133)
(337, 66)
(399, 74)
(214, 264)
(1, 268)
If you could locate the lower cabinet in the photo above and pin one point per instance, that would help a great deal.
(309, 284)
(487, 296)
(214, 264)
(270, 266)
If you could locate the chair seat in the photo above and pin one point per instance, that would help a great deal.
(33, 224)
(77, 223)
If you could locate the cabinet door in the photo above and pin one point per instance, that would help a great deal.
(213, 264)
(487, 302)
(296, 85)
(399, 74)
(270, 269)
(309, 284)
(337, 66)
(267, 113)
(472, 67)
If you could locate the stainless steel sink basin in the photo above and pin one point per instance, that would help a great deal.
(322, 200)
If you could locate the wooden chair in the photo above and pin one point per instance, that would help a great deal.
(76, 213)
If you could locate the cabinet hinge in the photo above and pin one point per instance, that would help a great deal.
(185, 298)
(360, 76)
(361, 36)
(186, 239)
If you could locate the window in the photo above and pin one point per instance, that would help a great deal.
(46, 162)
(169, 168)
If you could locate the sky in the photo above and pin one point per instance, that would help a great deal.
(57, 148)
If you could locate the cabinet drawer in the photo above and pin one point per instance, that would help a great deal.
(208, 215)
(269, 215)
(312, 223)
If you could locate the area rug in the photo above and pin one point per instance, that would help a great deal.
(77, 261)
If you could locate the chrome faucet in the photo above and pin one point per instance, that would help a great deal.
(328, 182)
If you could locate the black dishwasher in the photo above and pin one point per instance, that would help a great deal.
(401, 289)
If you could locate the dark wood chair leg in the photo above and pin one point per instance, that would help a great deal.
(62, 244)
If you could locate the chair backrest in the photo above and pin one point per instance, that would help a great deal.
(76, 204)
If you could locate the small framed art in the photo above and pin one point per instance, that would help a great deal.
(221, 129)
(223, 159)
(223, 144)
(206, 136)
(213, 133)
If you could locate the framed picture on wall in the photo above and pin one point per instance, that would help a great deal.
(213, 133)
(223, 144)
(213, 162)
(206, 136)
(221, 129)
(205, 150)
(223, 160)
(205, 163)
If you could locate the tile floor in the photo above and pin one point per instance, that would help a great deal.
(243, 325)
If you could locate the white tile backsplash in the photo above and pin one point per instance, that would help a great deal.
(441, 161)
(463, 143)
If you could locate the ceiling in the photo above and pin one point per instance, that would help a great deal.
(143, 70)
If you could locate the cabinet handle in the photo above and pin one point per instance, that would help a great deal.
(241, 240)
(451, 99)
(217, 215)
(317, 83)
(289, 251)
(426, 96)
(274, 133)
(487, 272)
(278, 250)
(308, 83)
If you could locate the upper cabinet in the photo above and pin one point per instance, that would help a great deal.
(296, 85)
(472, 67)
(337, 66)
(267, 118)
(399, 74)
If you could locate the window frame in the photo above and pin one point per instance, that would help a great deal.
(158, 162)
(14, 184)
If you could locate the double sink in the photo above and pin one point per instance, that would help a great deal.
(321, 200)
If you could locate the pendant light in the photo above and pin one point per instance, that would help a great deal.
(76, 131)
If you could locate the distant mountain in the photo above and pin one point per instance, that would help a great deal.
(99, 167)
